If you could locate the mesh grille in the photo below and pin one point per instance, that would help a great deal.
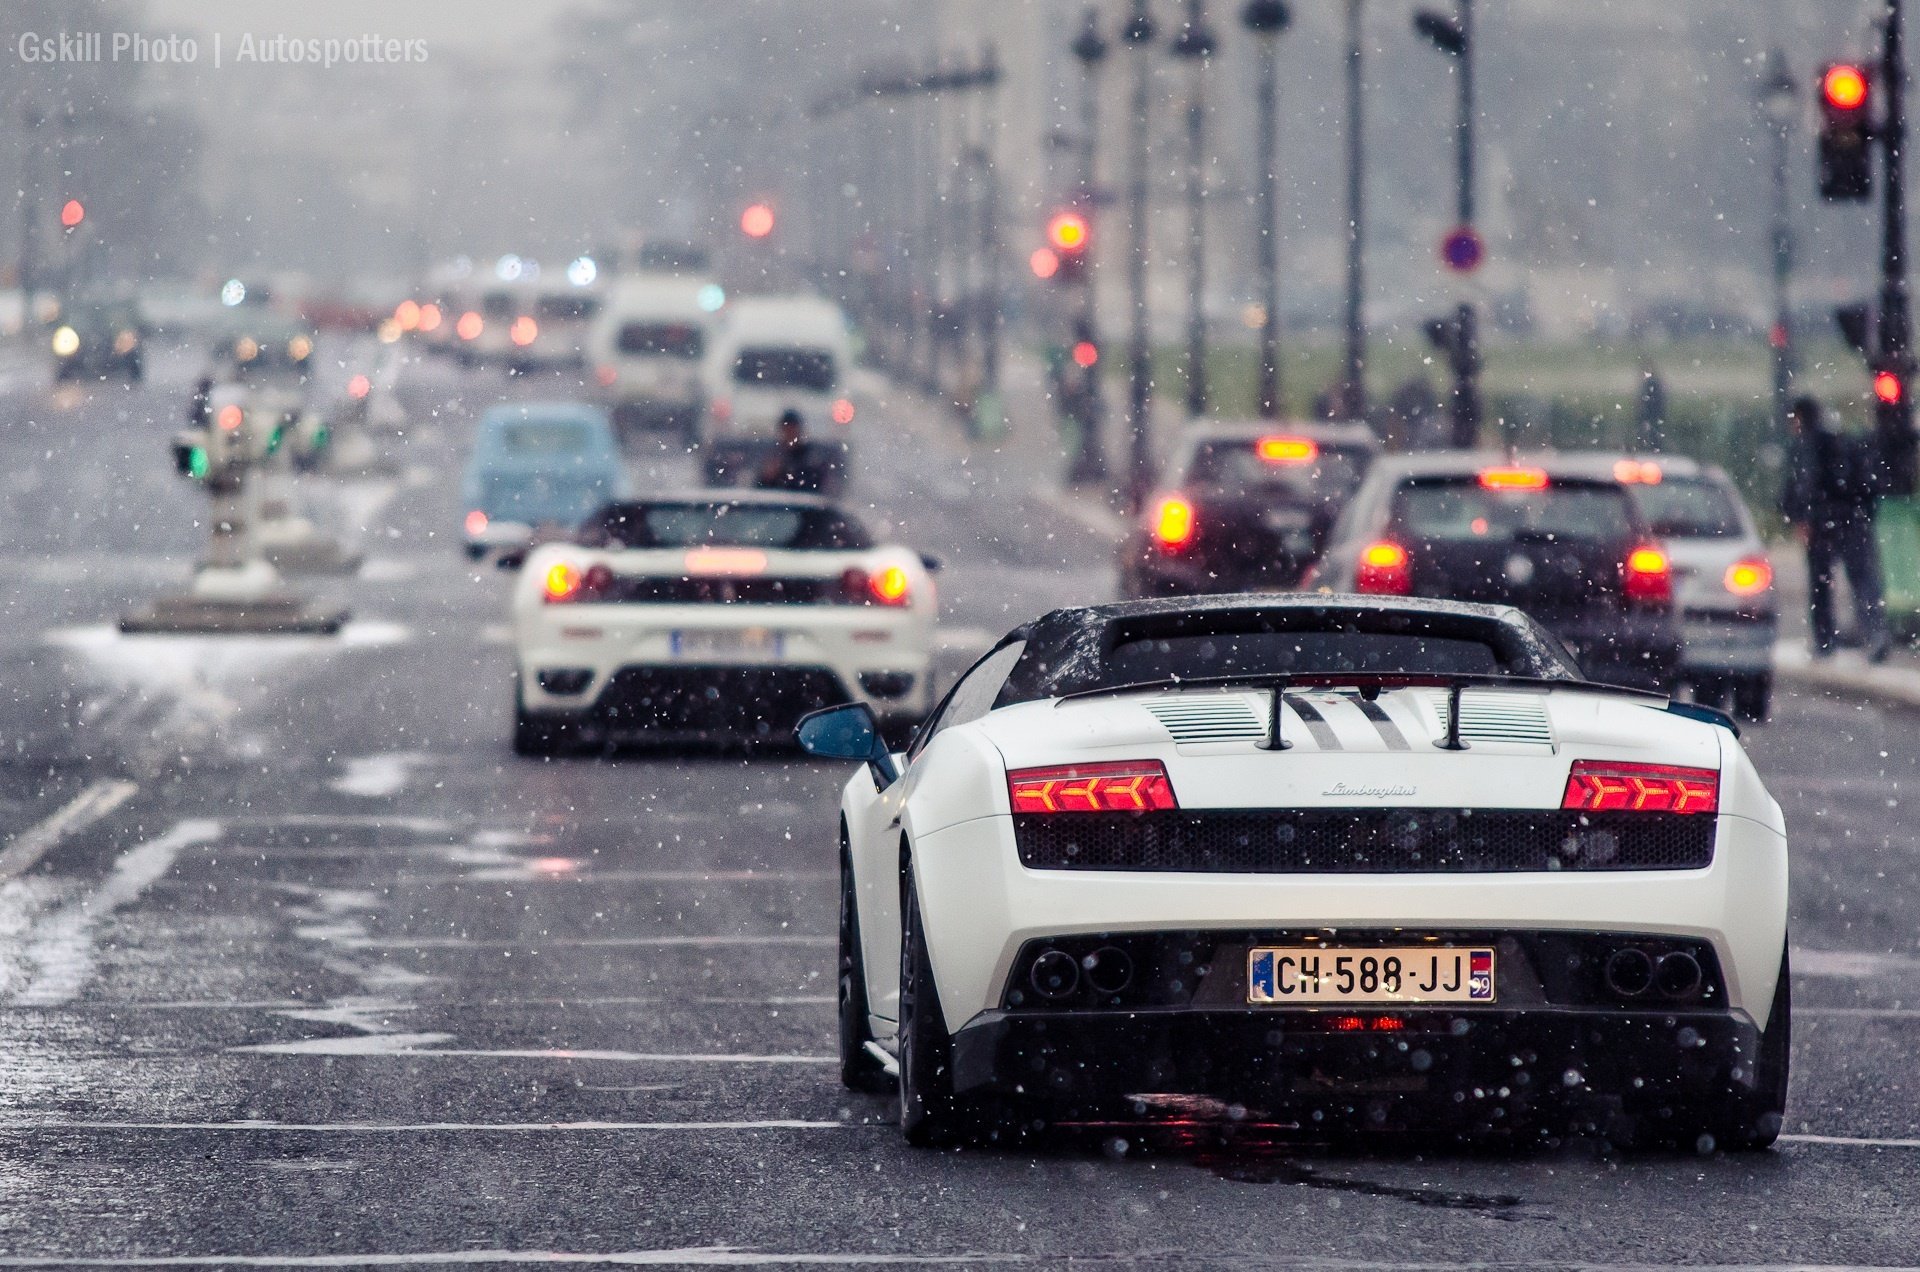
(1354, 841)
(759, 700)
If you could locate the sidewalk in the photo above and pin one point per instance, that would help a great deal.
(1895, 682)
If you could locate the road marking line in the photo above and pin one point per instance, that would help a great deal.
(571, 942)
(690, 1256)
(1850, 1141)
(416, 1046)
(62, 947)
(380, 1128)
(83, 810)
(444, 1004)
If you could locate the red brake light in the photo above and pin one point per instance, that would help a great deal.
(1602, 786)
(524, 331)
(606, 376)
(1127, 786)
(1385, 570)
(230, 417)
(562, 581)
(469, 326)
(1647, 576)
(1513, 478)
(429, 317)
(1173, 526)
(1643, 472)
(476, 522)
(1287, 450)
(1750, 577)
(888, 585)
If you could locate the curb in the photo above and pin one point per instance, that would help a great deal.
(1846, 672)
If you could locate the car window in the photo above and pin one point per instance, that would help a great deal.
(1462, 510)
(1690, 508)
(661, 340)
(1238, 467)
(562, 308)
(785, 368)
(543, 437)
(973, 695)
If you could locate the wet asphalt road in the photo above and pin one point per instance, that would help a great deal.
(298, 966)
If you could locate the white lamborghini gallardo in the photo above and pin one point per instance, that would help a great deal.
(1336, 860)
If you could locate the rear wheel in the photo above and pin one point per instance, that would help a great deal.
(1750, 1119)
(1710, 691)
(536, 736)
(1753, 697)
(930, 1113)
(859, 1071)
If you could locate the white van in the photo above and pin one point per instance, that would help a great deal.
(562, 315)
(776, 354)
(646, 348)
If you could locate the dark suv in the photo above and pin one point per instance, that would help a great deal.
(1548, 534)
(1247, 507)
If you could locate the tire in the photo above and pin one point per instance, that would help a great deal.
(931, 1115)
(535, 737)
(1751, 1120)
(859, 1071)
(1753, 697)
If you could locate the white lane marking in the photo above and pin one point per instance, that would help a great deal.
(380, 821)
(383, 1128)
(62, 945)
(83, 810)
(422, 1045)
(572, 942)
(1852, 964)
(690, 1256)
(534, 872)
(1850, 1141)
(375, 776)
(294, 1007)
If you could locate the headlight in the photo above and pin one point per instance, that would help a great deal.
(66, 342)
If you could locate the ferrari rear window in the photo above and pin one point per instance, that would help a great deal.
(1460, 509)
(725, 524)
(1299, 652)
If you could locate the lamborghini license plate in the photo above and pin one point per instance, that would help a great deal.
(1309, 976)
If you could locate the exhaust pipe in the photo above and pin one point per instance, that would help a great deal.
(1629, 972)
(1109, 969)
(1054, 975)
(1679, 974)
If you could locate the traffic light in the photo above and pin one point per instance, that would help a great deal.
(1846, 133)
(1069, 235)
(72, 213)
(756, 222)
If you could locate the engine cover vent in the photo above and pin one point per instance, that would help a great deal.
(1215, 718)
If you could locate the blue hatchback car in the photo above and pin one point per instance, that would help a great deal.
(538, 464)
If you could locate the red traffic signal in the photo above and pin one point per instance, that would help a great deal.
(1845, 158)
(73, 213)
(1844, 87)
(1887, 387)
(756, 221)
(1068, 232)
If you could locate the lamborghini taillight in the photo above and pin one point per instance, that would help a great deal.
(1128, 786)
(1603, 786)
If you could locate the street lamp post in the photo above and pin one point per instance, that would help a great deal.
(1090, 50)
(1777, 108)
(1267, 19)
(1138, 35)
(1454, 37)
(1353, 379)
(1194, 45)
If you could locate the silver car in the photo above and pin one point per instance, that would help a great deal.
(1723, 582)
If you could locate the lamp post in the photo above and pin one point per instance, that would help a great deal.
(1267, 19)
(1090, 50)
(1194, 45)
(1353, 379)
(1778, 102)
(1454, 37)
(1138, 35)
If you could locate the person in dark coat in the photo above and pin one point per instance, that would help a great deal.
(793, 464)
(1832, 489)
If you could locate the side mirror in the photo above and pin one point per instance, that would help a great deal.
(932, 562)
(848, 733)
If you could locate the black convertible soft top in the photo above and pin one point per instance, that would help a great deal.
(1074, 651)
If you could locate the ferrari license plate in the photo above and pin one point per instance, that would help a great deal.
(1312, 975)
(727, 642)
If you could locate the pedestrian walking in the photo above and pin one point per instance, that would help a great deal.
(1832, 489)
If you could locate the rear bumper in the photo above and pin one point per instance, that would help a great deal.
(1728, 643)
(1437, 1064)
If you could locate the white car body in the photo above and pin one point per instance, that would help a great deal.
(639, 388)
(983, 909)
(761, 654)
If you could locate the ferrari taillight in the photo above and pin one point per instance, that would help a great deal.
(1127, 786)
(1602, 786)
(888, 585)
(565, 581)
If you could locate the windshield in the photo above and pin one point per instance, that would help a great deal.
(725, 524)
(679, 340)
(558, 498)
(543, 437)
(1690, 508)
(809, 369)
(1461, 510)
(566, 308)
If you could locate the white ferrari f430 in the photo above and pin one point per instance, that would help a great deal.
(1333, 860)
